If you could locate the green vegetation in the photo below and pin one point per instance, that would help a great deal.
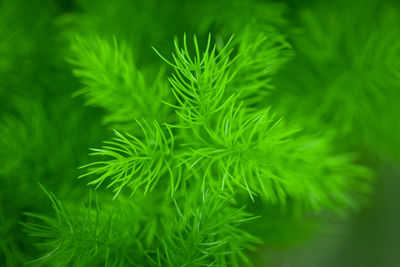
(215, 127)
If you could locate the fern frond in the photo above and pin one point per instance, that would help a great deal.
(239, 147)
(260, 56)
(134, 163)
(91, 234)
(199, 82)
(260, 154)
(207, 231)
(113, 82)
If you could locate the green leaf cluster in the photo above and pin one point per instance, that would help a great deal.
(208, 148)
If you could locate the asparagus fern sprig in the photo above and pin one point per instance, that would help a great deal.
(133, 162)
(223, 142)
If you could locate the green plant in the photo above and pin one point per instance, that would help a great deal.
(240, 138)
(217, 143)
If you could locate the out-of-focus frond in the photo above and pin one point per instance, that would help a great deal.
(113, 82)
(206, 232)
(92, 234)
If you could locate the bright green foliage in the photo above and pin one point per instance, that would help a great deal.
(225, 145)
(273, 117)
(208, 234)
(199, 83)
(265, 157)
(135, 163)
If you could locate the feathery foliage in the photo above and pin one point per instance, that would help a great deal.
(198, 83)
(208, 234)
(225, 145)
(135, 163)
(86, 235)
(275, 117)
